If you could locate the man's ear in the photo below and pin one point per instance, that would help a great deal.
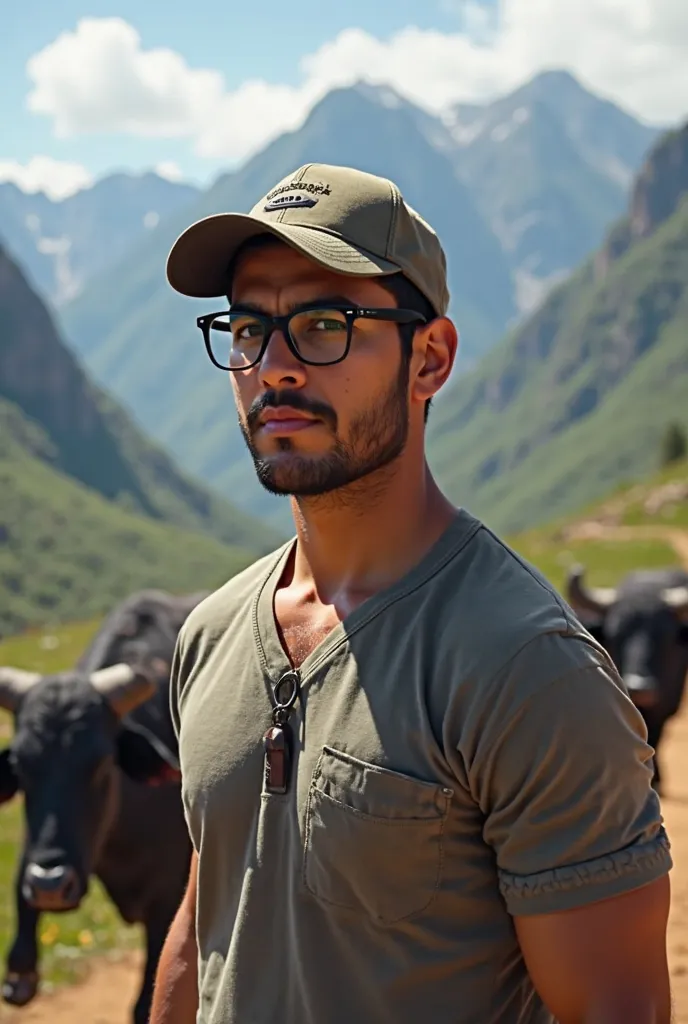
(142, 756)
(9, 784)
(433, 358)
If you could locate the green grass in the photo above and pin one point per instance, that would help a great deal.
(673, 515)
(67, 554)
(66, 941)
(606, 561)
(673, 511)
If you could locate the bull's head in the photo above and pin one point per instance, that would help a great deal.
(69, 739)
(644, 631)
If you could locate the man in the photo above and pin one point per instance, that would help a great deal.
(415, 786)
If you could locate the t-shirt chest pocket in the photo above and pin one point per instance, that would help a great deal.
(373, 838)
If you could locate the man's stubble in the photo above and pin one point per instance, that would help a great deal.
(377, 437)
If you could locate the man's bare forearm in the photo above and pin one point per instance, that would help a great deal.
(631, 1007)
(175, 1000)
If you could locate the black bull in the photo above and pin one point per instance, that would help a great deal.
(643, 624)
(94, 754)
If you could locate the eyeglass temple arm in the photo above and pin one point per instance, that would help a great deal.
(402, 316)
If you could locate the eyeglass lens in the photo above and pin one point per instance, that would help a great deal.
(318, 335)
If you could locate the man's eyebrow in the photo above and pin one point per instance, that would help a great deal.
(318, 302)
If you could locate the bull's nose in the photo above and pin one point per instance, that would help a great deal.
(642, 690)
(53, 889)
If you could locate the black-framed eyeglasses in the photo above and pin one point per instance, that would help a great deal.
(236, 340)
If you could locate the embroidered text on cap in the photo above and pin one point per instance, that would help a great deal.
(312, 187)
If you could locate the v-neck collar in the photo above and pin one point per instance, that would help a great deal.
(273, 656)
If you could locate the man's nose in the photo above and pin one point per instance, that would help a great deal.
(279, 365)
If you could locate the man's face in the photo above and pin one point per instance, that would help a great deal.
(356, 411)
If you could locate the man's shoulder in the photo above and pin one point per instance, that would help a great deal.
(220, 608)
(495, 610)
(493, 588)
(526, 629)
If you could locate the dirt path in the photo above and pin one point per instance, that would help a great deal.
(600, 531)
(675, 806)
(105, 997)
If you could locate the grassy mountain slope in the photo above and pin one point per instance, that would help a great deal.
(93, 439)
(66, 553)
(633, 527)
(576, 399)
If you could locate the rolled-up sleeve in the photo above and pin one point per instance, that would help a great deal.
(564, 782)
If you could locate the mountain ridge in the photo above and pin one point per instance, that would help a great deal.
(93, 439)
(577, 396)
(62, 243)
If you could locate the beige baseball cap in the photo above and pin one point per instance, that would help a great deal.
(346, 220)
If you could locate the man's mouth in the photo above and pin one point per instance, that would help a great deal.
(282, 421)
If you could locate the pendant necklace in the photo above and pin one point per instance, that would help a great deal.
(278, 740)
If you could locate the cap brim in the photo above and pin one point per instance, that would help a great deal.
(199, 260)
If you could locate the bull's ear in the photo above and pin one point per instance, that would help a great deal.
(9, 784)
(144, 758)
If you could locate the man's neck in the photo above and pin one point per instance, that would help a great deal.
(355, 543)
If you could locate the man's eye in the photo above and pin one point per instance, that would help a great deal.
(248, 332)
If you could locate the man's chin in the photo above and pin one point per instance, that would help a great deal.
(297, 477)
(283, 487)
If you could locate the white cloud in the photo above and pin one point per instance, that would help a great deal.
(57, 178)
(169, 169)
(98, 78)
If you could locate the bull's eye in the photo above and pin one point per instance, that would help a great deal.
(19, 767)
(26, 760)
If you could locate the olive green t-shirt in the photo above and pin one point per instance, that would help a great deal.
(464, 753)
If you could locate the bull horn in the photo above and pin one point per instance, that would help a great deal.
(677, 599)
(123, 686)
(14, 684)
(592, 599)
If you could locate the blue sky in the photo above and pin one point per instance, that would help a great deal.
(85, 98)
(242, 40)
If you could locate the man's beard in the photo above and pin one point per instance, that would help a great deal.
(377, 437)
